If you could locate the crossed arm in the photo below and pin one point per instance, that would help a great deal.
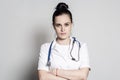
(60, 74)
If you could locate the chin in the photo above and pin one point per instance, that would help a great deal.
(63, 37)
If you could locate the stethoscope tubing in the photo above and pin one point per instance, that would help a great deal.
(50, 48)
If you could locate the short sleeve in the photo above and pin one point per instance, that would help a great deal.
(43, 57)
(84, 56)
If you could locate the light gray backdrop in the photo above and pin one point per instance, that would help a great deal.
(26, 24)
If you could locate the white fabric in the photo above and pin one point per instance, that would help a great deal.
(60, 56)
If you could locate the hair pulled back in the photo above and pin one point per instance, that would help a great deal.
(61, 8)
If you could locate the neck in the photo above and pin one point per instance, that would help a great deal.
(63, 41)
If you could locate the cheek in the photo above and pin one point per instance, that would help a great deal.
(69, 29)
(56, 30)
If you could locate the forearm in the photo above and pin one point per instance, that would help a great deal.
(74, 74)
(44, 75)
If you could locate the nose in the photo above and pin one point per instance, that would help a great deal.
(62, 28)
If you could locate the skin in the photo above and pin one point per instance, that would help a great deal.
(62, 27)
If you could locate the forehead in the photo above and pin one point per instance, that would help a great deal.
(64, 18)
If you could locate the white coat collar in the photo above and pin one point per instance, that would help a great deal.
(71, 42)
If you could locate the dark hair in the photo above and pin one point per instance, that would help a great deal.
(61, 8)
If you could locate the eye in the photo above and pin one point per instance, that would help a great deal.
(66, 24)
(57, 25)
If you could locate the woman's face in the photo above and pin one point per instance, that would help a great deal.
(63, 26)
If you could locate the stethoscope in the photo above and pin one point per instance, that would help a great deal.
(72, 58)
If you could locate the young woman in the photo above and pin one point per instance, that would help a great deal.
(65, 58)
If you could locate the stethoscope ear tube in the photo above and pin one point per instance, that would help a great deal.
(49, 53)
(74, 40)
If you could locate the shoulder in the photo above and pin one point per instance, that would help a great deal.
(45, 45)
(83, 44)
(44, 48)
(84, 48)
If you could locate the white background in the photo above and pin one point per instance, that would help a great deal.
(26, 24)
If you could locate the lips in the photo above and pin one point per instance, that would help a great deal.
(62, 33)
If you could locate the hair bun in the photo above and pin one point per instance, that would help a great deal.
(62, 6)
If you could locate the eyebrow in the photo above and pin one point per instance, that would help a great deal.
(68, 22)
(64, 23)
